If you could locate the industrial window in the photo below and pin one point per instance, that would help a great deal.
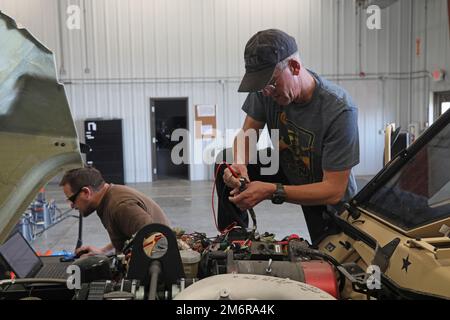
(445, 107)
(441, 103)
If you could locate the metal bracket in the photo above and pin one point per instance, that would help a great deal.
(357, 276)
(384, 254)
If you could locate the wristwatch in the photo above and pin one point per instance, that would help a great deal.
(279, 196)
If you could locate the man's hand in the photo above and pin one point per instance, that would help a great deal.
(85, 251)
(254, 193)
(231, 181)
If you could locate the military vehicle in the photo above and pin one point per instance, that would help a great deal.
(391, 241)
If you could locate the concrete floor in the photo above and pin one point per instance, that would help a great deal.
(186, 203)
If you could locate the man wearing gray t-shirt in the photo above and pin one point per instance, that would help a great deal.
(318, 137)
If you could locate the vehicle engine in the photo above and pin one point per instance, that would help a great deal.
(235, 265)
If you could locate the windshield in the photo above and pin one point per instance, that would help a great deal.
(419, 193)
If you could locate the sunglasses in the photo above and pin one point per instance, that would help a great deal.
(73, 197)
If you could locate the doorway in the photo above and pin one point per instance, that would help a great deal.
(441, 103)
(167, 115)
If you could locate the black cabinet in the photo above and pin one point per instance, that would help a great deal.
(105, 139)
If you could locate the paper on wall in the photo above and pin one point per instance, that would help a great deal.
(206, 111)
(207, 130)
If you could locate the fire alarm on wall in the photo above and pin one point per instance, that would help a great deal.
(438, 75)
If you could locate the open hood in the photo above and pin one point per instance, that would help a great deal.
(38, 138)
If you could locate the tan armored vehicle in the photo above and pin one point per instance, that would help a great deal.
(392, 241)
(400, 222)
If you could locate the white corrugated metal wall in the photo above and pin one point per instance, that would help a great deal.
(129, 51)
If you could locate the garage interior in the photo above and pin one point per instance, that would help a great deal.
(142, 68)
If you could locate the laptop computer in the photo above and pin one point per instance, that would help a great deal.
(20, 257)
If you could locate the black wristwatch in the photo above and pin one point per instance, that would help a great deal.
(279, 196)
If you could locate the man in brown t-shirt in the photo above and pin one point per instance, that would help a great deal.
(122, 210)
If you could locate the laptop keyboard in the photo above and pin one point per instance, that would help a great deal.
(53, 271)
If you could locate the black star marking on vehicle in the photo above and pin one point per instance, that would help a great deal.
(406, 263)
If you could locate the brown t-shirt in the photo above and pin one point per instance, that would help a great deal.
(124, 211)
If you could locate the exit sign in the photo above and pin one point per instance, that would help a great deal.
(438, 75)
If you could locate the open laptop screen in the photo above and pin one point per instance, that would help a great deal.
(20, 256)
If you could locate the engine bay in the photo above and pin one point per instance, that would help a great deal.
(163, 264)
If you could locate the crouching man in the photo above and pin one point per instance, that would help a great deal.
(122, 210)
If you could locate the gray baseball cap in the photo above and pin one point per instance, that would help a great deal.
(262, 53)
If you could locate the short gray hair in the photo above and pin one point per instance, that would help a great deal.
(284, 63)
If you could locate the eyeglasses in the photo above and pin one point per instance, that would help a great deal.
(270, 87)
(73, 197)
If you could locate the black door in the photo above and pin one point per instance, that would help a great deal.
(167, 116)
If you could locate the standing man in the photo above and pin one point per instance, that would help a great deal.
(318, 137)
(122, 210)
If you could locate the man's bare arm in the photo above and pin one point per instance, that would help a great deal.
(242, 150)
(328, 192)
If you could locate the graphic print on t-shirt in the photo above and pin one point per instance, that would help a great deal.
(299, 142)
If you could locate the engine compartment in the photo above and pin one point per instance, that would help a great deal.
(237, 264)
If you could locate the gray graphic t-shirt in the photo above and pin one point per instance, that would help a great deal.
(319, 135)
